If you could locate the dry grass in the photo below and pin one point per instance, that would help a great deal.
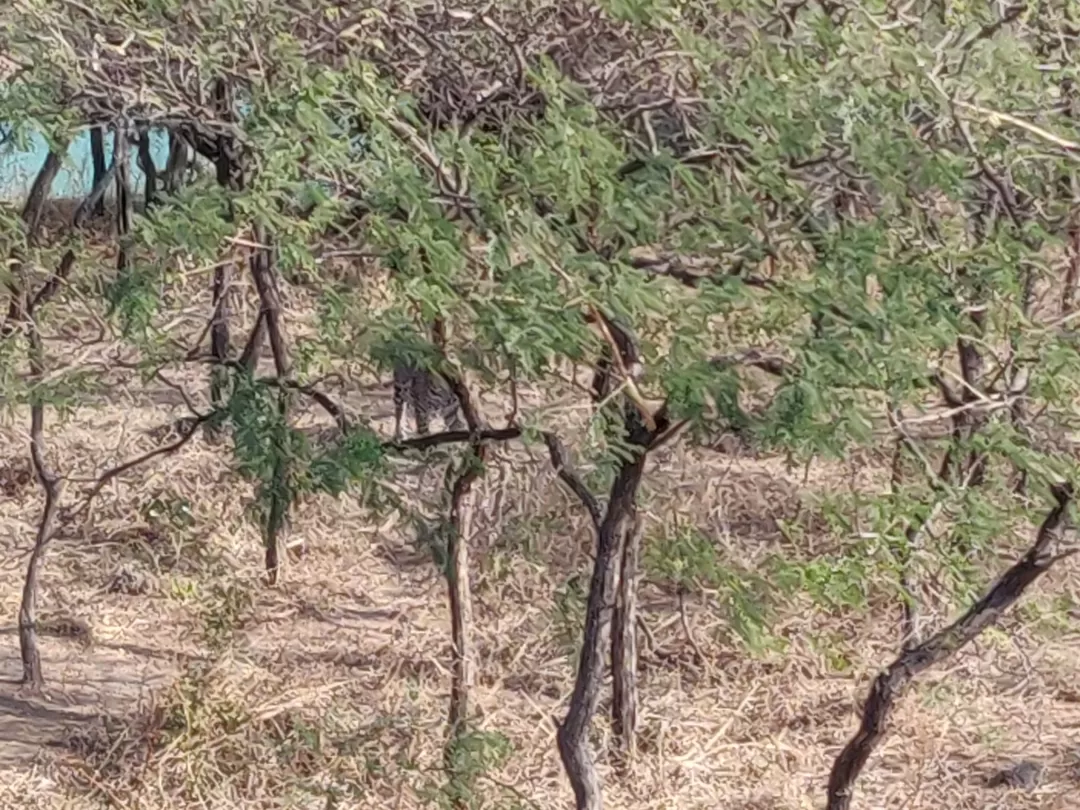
(208, 690)
(176, 679)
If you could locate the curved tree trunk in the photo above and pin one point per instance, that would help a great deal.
(945, 643)
(50, 483)
(28, 646)
(22, 311)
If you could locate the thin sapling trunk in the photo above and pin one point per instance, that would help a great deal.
(123, 197)
(458, 585)
(229, 176)
(262, 272)
(23, 309)
(24, 312)
(459, 593)
(50, 483)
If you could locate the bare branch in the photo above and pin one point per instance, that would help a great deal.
(189, 431)
(454, 437)
(572, 480)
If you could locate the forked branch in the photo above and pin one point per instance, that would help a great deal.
(610, 610)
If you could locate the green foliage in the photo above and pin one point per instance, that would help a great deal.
(686, 559)
(284, 462)
(834, 580)
(471, 756)
(858, 190)
(133, 299)
(356, 458)
(697, 387)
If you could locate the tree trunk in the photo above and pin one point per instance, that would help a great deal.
(945, 643)
(123, 196)
(21, 313)
(177, 163)
(146, 163)
(50, 483)
(39, 192)
(249, 357)
(573, 733)
(459, 592)
(279, 502)
(624, 651)
(31, 217)
(219, 345)
(95, 199)
(97, 155)
(230, 177)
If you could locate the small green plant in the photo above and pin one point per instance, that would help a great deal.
(686, 559)
(471, 756)
(835, 581)
(226, 604)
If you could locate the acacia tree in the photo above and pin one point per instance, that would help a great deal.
(869, 177)
(838, 195)
(30, 292)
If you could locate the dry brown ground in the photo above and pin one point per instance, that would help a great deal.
(340, 674)
(353, 648)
